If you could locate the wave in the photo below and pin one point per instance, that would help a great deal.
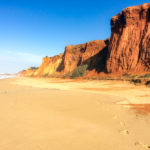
(7, 76)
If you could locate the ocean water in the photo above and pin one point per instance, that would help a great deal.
(6, 76)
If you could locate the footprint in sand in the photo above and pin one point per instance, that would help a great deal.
(122, 124)
(124, 132)
(142, 144)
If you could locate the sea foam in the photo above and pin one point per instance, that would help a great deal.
(3, 76)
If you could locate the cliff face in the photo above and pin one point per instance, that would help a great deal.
(129, 48)
(49, 66)
(92, 53)
(127, 51)
(28, 73)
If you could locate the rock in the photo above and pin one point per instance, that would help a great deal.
(127, 51)
(92, 53)
(129, 48)
(30, 72)
(49, 66)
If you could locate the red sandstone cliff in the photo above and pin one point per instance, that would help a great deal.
(129, 48)
(127, 51)
(92, 53)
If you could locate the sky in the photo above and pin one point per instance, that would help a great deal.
(32, 29)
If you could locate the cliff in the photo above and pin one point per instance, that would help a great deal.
(127, 51)
(30, 72)
(91, 53)
(49, 66)
(129, 48)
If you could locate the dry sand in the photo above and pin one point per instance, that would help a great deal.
(43, 114)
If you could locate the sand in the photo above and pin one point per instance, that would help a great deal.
(44, 114)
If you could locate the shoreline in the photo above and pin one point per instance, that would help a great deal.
(3, 76)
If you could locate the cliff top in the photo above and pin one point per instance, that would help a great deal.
(133, 9)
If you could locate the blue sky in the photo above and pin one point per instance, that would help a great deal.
(32, 29)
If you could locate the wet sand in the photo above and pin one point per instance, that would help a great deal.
(44, 114)
(143, 109)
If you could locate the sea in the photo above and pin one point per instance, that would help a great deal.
(7, 76)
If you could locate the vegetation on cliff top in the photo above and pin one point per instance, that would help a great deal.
(34, 68)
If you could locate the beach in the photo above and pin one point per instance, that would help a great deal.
(57, 114)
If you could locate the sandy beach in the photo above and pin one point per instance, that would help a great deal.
(46, 114)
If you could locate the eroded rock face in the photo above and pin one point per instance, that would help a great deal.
(129, 49)
(28, 73)
(72, 57)
(49, 65)
(92, 53)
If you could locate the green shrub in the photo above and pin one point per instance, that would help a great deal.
(79, 71)
(34, 68)
(46, 75)
(145, 76)
(94, 78)
(126, 75)
(66, 75)
(132, 77)
(147, 83)
(136, 81)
